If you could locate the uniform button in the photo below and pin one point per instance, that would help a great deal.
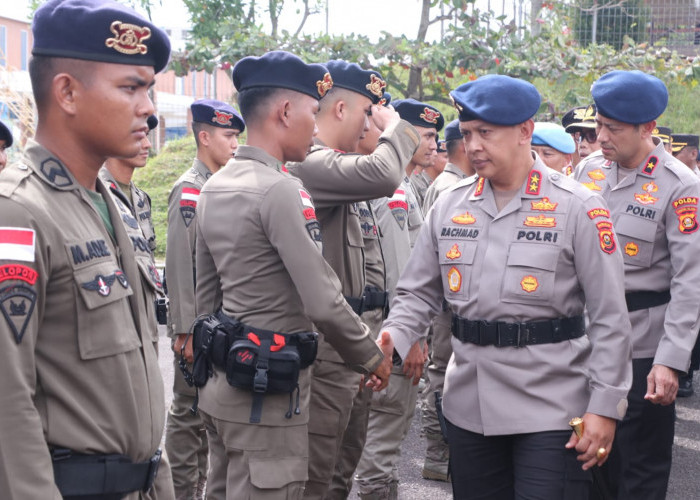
(22, 166)
(555, 177)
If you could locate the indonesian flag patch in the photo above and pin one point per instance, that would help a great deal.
(309, 212)
(17, 243)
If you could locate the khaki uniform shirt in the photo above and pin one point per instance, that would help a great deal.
(654, 210)
(180, 248)
(415, 212)
(337, 182)
(268, 265)
(374, 264)
(79, 365)
(420, 182)
(548, 252)
(449, 177)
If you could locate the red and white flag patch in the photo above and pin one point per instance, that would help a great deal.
(309, 212)
(17, 243)
(189, 197)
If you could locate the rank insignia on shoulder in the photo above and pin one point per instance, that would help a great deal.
(454, 279)
(533, 182)
(128, 37)
(606, 236)
(650, 165)
(454, 252)
(686, 209)
(465, 219)
(55, 173)
(308, 210)
(17, 243)
(598, 212)
(529, 284)
(479, 186)
(631, 249)
(544, 205)
(17, 304)
(101, 284)
(540, 221)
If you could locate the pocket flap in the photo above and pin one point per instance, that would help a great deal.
(636, 227)
(101, 284)
(267, 473)
(462, 252)
(533, 255)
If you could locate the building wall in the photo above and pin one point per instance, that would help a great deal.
(15, 43)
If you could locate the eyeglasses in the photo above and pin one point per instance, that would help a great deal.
(589, 135)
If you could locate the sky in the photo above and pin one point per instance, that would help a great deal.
(367, 17)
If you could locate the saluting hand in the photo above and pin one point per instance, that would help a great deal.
(179, 342)
(598, 434)
(384, 116)
(662, 385)
(379, 378)
(414, 362)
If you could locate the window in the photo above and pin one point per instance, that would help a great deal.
(3, 46)
(194, 84)
(23, 54)
(179, 85)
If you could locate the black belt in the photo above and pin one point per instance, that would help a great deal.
(77, 474)
(503, 334)
(645, 300)
(372, 298)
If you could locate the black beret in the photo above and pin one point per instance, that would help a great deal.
(496, 99)
(419, 113)
(152, 122)
(98, 30)
(630, 96)
(681, 141)
(216, 113)
(351, 76)
(385, 100)
(663, 133)
(581, 117)
(6, 135)
(282, 69)
(452, 132)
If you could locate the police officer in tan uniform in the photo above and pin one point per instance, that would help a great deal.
(81, 382)
(653, 200)
(337, 179)
(5, 142)
(216, 126)
(268, 267)
(512, 252)
(437, 453)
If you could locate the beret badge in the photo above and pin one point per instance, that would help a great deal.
(128, 38)
(430, 115)
(376, 86)
(222, 118)
(457, 105)
(324, 85)
(586, 114)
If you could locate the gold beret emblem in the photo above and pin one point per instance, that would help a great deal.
(430, 115)
(585, 115)
(456, 104)
(128, 38)
(376, 85)
(324, 85)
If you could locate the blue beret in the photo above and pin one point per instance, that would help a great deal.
(282, 69)
(452, 132)
(630, 96)
(554, 136)
(152, 122)
(98, 30)
(351, 76)
(5, 135)
(385, 100)
(496, 99)
(419, 113)
(216, 113)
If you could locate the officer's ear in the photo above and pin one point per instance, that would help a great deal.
(284, 112)
(525, 131)
(65, 89)
(646, 129)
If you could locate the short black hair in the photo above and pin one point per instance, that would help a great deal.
(197, 127)
(451, 146)
(42, 70)
(251, 101)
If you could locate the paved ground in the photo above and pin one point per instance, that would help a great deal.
(685, 474)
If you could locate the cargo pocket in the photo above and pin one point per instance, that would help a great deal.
(456, 258)
(529, 274)
(269, 475)
(636, 237)
(104, 290)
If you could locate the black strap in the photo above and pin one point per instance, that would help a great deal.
(372, 298)
(502, 334)
(260, 381)
(645, 300)
(81, 475)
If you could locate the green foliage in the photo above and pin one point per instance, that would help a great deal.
(157, 179)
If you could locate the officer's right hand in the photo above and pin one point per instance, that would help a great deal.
(379, 378)
(383, 117)
(179, 342)
(662, 385)
(414, 362)
(598, 433)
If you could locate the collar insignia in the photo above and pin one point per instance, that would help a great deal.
(544, 205)
(650, 166)
(533, 182)
(128, 38)
(324, 85)
(479, 187)
(376, 85)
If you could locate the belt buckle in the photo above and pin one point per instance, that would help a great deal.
(522, 335)
(153, 465)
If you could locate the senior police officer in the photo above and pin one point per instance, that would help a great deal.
(5, 142)
(268, 267)
(554, 146)
(665, 134)
(580, 124)
(81, 382)
(653, 201)
(685, 149)
(337, 179)
(216, 126)
(511, 253)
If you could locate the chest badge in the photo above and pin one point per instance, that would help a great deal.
(464, 219)
(454, 252)
(101, 284)
(454, 279)
(631, 249)
(529, 284)
(544, 205)
(595, 176)
(540, 221)
(646, 198)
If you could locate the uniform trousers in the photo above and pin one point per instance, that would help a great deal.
(256, 462)
(185, 440)
(639, 465)
(390, 417)
(515, 467)
(333, 388)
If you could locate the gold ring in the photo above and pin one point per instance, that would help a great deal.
(600, 454)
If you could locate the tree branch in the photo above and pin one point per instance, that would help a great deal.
(596, 7)
(443, 17)
(307, 13)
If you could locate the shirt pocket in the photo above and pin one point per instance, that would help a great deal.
(354, 227)
(104, 290)
(456, 258)
(529, 273)
(636, 237)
